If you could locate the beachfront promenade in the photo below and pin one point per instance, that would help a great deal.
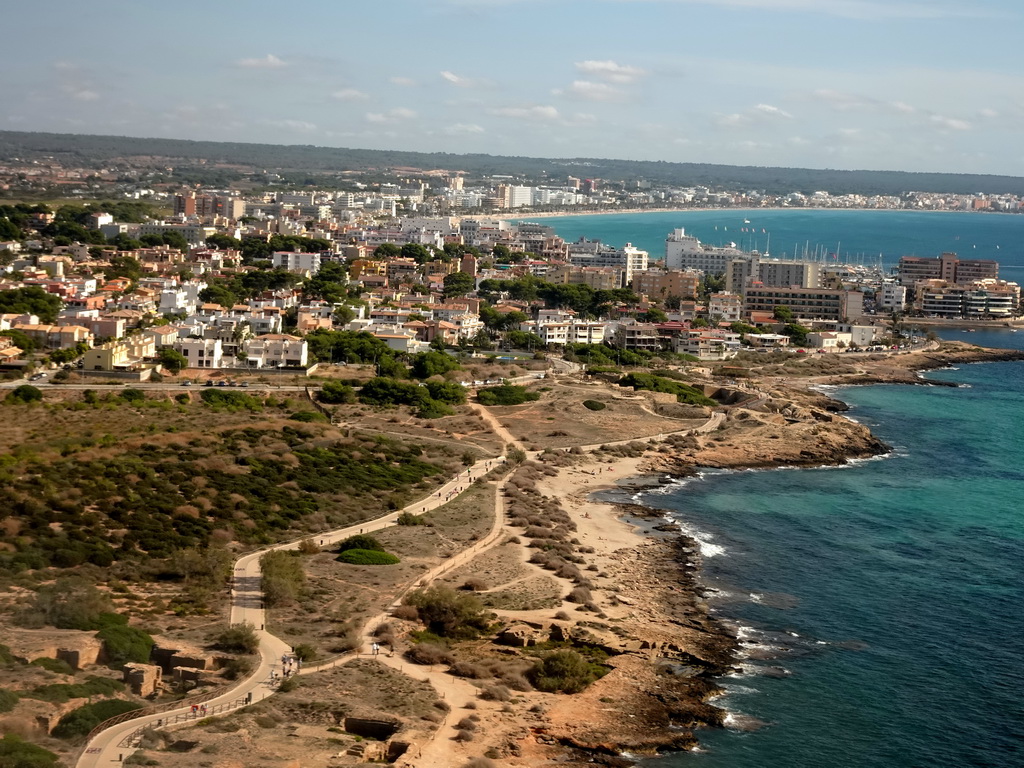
(111, 742)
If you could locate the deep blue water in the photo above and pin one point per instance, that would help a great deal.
(891, 591)
(857, 236)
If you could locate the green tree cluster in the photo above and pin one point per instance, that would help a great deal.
(506, 394)
(449, 613)
(30, 300)
(284, 578)
(683, 392)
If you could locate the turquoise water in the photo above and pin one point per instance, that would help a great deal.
(883, 602)
(857, 236)
(890, 592)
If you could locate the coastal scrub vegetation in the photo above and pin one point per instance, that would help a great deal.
(109, 495)
(565, 671)
(17, 753)
(506, 394)
(449, 613)
(367, 557)
(283, 577)
(683, 392)
(80, 721)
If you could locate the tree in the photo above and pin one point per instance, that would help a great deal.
(30, 300)
(220, 240)
(25, 393)
(172, 359)
(433, 363)
(783, 314)
(334, 392)
(448, 613)
(896, 325)
(387, 251)
(458, 284)
(417, 252)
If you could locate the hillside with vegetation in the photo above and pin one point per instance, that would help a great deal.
(99, 151)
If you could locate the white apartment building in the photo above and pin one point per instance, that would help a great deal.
(296, 262)
(684, 251)
(201, 353)
(729, 306)
(276, 350)
(891, 298)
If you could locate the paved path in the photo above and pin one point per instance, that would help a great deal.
(114, 743)
(111, 745)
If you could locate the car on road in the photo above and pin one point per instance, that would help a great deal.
(186, 383)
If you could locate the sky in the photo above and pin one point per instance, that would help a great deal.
(913, 85)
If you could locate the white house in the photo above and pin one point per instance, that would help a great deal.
(276, 350)
(201, 353)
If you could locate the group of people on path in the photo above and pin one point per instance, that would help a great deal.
(290, 665)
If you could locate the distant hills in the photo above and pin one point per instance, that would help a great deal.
(94, 151)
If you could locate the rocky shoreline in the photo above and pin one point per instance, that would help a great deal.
(667, 691)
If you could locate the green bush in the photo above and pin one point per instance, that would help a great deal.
(448, 613)
(229, 399)
(123, 644)
(240, 638)
(58, 693)
(360, 541)
(133, 395)
(683, 392)
(26, 393)
(594, 405)
(57, 666)
(506, 394)
(80, 721)
(336, 393)
(367, 557)
(16, 753)
(309, 417)
(408, 518)
(564, 671)
(283, 577)
(7, 701)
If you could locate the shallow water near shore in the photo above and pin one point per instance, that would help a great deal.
(882, 604)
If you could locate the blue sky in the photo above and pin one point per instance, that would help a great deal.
(917, 85)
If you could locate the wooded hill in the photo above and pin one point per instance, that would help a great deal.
(96, 151)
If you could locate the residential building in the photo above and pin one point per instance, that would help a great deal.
(201, 353)
(947, 267)
(121, 354)
(276, 350)
(684, 251)
(806, 302)
(307, 263)
(728, 307)
(660, 284)
(637, 336)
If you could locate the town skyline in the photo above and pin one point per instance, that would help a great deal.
(786, 83)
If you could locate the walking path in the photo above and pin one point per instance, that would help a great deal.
(112, 741)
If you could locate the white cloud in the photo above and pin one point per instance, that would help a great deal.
(989, 113)
(768, 109)
(587, 90)
(734, 120)
(391, 116)
(270, 61)
(85, 95)
(610, 71)
(463, 129)
(350, 94)
(535, 113)
(451, 77)
(951, 123)
(405, 82)
(299, 126)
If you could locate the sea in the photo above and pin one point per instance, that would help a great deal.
(880, 604)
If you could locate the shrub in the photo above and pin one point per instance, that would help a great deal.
(288, 684)
(25, 393)
(449, 613)
(594, 405)
(7, 701)
(475, 584)
(240, 638)
(21, 754)
(236, 668)
(367, 557)
(406, 613)
(80, 721)
(229, 399)
(564, 671)
(360, 541)
(309, 417)
(495, 693)
(58, 666)
(579, 595)
(506, 394)
(308, 547)
(283, 578)
(336, 393)
(428, 653)
(123, 644)
(683, 392)
(132, 395)
(408, 518)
